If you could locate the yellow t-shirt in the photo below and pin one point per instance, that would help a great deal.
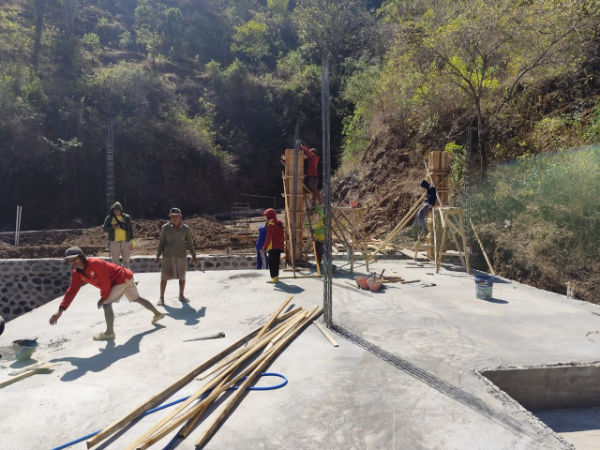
(120, 233)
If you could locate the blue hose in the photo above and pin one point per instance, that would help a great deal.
(174, 402)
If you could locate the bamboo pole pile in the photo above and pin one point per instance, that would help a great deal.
(242, 363)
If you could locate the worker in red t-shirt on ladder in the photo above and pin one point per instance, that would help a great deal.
(312, 174)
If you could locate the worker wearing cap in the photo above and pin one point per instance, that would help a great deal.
(113, 281)
(120, 234)
(273, 243)
(175, 241)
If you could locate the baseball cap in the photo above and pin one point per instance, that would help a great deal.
(73, 252)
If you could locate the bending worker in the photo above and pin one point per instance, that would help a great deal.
(113, 281)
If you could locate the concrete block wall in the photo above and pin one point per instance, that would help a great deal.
(26, 284)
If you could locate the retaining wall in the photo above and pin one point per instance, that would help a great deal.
(26, 284)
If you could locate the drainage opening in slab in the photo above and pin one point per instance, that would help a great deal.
(564, 397)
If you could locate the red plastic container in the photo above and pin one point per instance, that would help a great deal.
(373, 285)
(362, 282)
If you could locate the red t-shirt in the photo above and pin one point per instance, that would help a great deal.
(97, 272)
(313, 162)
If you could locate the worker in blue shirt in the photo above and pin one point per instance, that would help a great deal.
(262, 262)
(427, 205)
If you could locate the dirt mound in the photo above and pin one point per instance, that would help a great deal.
(210, 236)
(386, 183)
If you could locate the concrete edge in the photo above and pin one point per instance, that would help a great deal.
(499, 394)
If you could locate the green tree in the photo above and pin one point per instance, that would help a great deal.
(173, 31)
(488, 49)
(331, 29)
(149, 20)
(251, 41)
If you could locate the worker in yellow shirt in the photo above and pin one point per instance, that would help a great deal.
(120, 234)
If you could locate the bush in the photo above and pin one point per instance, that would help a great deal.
(558, 191)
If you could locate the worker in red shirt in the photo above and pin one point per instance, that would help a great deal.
(312, 174)
(273, 243)
(112, 280)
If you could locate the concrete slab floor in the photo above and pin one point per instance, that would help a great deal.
(426, 393)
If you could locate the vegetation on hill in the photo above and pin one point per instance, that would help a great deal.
(200, 97)
(523, 77)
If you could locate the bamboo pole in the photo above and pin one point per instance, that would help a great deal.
(248, 352)
(197, 415)
(169, 390)
(242, 391)
(340, 232)
(289, 227)
(487, 260)
(165, 393)
(408, 216)
(312, 236)
(356, 236)
(156, 433)
(271, 320)
(227, 361)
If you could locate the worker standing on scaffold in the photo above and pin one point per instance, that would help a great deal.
(429, 203)
(312, 174)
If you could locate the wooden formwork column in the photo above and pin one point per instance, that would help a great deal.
(439, 172)
(288, 189)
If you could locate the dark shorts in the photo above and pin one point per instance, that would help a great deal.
(312, 182)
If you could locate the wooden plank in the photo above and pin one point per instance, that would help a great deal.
(442, 244)
(312, 235)
(26, 374)
(326, 334)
